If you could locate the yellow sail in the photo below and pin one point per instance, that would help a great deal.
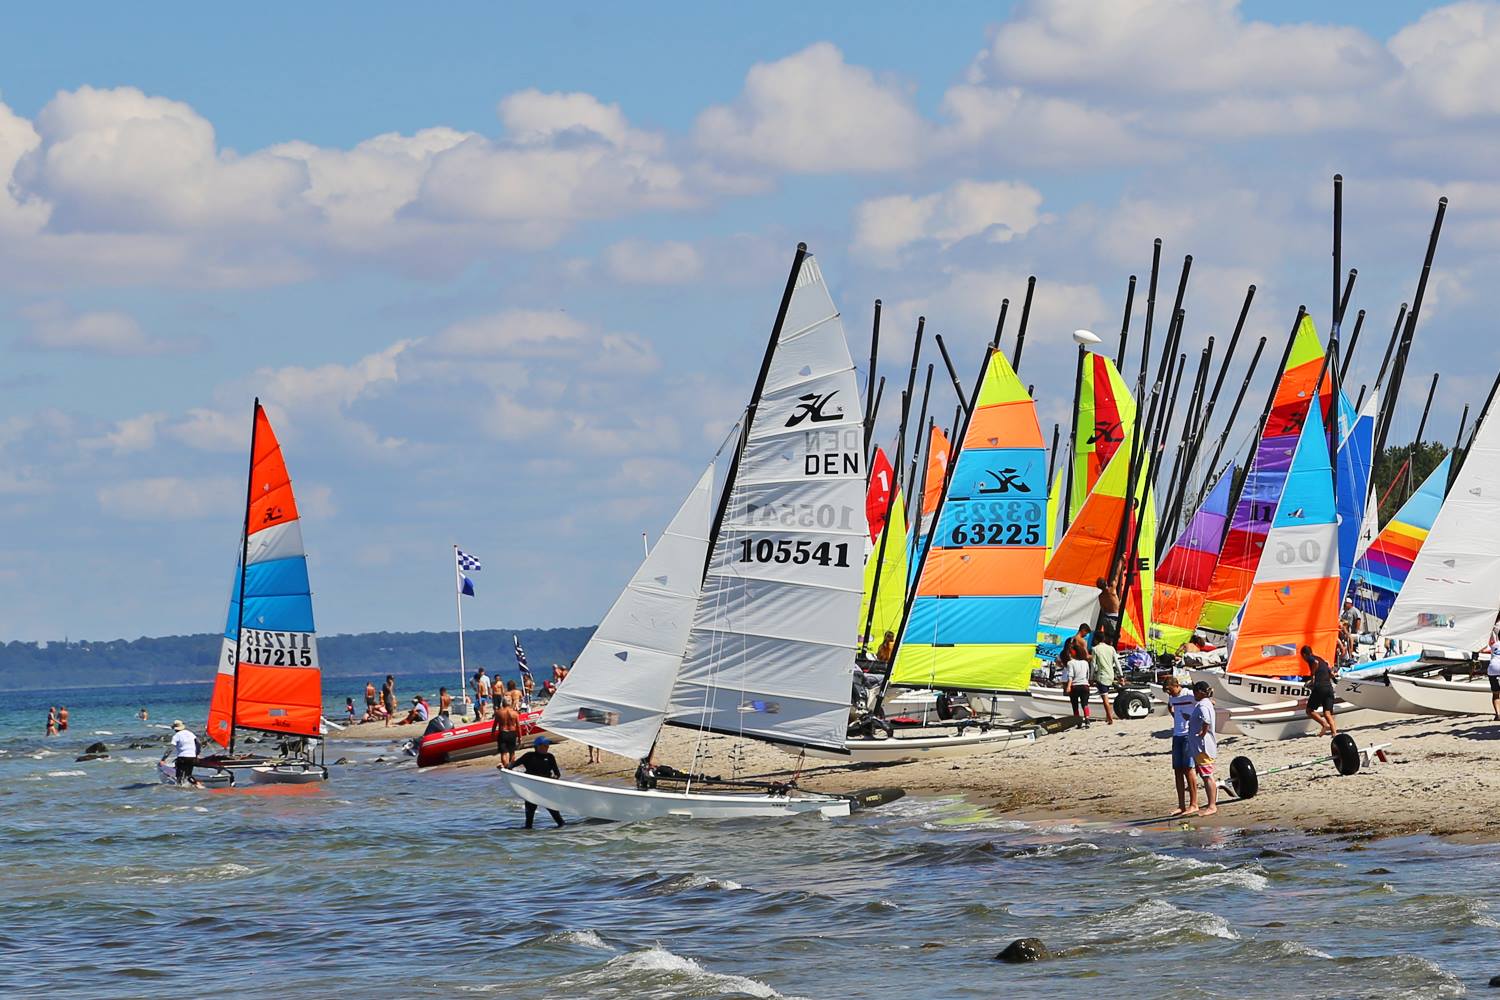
(890, 596)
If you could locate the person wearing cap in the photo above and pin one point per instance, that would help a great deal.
(185, 746)
(539, 762)
(1205, 749)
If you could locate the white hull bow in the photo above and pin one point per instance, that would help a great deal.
(1435, 696)
(576, 798)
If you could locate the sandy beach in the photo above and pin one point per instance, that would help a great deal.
(1440, 777)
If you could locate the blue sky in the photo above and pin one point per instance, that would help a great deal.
(502, 272)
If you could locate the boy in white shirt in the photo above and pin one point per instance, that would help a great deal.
(1205, 749)
(1181, 703)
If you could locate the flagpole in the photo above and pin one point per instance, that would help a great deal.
(458, 603)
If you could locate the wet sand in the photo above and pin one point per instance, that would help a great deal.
(1442, 777)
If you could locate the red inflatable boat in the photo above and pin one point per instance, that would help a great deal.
(476, 739)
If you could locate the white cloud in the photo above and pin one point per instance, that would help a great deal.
(165, 498)
(1451, 59)
(514, 333)
(55, 328)
(129, 435)
(811, 112)
(637, 262)
(211, 430)
(998, 210)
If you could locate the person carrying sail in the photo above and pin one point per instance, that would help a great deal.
(539, 761)
(185, 745)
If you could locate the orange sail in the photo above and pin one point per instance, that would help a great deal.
(937, 469)
(268, 677)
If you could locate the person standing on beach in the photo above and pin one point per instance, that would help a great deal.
(62, 718)
(1076, 680)
(539, 761)
(1494, 670)
(1106, 671)
(51, 720)
(514, 696)
(369, 699)
(1205, 749)
(185, 745)
(1320, 696)
(1180, 703)
(481, 693)
(445, 702)
(507, 732)
(349, 715)
(388, 697)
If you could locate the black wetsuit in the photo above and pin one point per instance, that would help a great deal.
(542, 764)
(1321, 697)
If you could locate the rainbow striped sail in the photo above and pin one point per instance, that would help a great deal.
(1384, 566)
(973, 622)
(1294, 600)
(1356, 459)
(1246, 538)
(1106, 415)
(268, 677)
(1183, 578)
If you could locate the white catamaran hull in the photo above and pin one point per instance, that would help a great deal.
(1287, 723)
(288, 774)
(922, 747)
(575, 798)
(1435, 696)
(1244, 689)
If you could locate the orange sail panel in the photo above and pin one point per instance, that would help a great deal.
(268, 676)
(937, 469)
(1294, 600)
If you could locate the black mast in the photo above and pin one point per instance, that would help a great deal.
(239, 630)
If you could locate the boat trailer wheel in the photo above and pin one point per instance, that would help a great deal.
(1342, 750)
(1132, 705)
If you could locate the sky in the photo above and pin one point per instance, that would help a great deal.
(502, 273)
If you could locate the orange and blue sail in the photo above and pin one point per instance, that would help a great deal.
(1106, 414)
(972, 624)
(1182, 579)
(1294, 598)
(1385, 565)
(268, 676)
(1267, 476)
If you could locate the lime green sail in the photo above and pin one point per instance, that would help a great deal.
(1106, 415)
(1054, 508)
(890, 596)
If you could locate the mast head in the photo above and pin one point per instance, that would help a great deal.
(1086, 338)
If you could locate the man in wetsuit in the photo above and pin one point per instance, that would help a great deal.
(507, 731)
(1320, 696)
(539, 761)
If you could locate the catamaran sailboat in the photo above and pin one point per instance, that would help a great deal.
(739, 624)
(268, 679)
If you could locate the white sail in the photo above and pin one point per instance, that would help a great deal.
(1452, 594)
(771, 653)
(615, 696)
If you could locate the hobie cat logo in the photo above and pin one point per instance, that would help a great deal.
(1106, 432)
(1005, 481)
(811, 408)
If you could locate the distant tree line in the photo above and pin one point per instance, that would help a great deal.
(1399, 471)
(172, 658)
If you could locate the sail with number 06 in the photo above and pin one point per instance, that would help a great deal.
(1294, 599)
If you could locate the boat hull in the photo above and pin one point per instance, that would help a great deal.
(1244, 689)
(288, 774)
(1435, 696)
(576, 798)
(1290, 723)
(922, 747)
(466, 742)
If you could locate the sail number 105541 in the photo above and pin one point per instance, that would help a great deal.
(784, 550)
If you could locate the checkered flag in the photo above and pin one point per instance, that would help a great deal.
(521, 657)
(466, 561)
(463, 561)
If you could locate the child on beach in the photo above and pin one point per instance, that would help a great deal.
(1076, 680)
(1180, 703)
(1205, 749)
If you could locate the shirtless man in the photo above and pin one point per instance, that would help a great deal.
(507, 732)
(62, 718)
(513, 695)
(369, 700)
(481, 693)
(1110, 600)
(445, 701)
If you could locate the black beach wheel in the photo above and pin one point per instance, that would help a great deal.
(1246, 781)
(1132, 705)
(1345, 754)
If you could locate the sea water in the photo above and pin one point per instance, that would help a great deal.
(389, 882)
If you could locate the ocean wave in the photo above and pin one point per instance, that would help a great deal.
(583, 939)
(1149, 922)
(1232, 878)
(1274, 949)
(1055, 850)
(66, 774)
(691, 882)
(101, 732)
(655, 971)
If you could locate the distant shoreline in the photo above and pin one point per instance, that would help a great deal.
(180, 683)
